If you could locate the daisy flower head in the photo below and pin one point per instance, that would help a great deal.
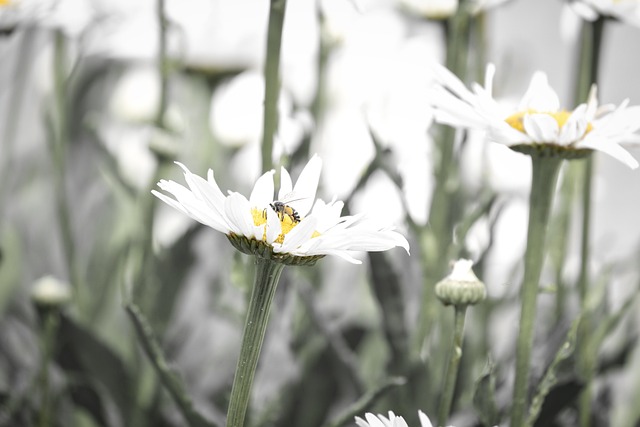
(627, 11)
(371, 420)
(293, 228)
(538, 126)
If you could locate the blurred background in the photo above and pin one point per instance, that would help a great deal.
(92, 116)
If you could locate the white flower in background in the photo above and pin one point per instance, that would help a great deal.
(443, 9)
(538, 124)
(432, 9)
(22, 12)
(237, 114)
(627, 11)
(49, 291)
(392, 421)
(286, 229)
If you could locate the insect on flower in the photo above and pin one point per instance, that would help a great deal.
(282, 208)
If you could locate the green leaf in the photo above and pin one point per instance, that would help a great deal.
(550, 378)
(85, 357)
(169, 378)
(484, 397)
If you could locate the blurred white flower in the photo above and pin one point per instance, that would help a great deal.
(136, 98)
(237, 110)
(538, 122)
(286, 230)
(49, 291)
(14, 13)
(392, 421)
(432, 9)
(443, 9)
(627, 11)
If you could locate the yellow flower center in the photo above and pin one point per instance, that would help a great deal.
(287, 223)
(561, 117)
(4, 2)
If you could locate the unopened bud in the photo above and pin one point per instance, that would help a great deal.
(461, 287)
(49, 292)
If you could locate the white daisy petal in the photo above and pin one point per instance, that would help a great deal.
(300, 234)
(610, 148)
(540, 96)
(238, 210)
(286, 186)
(262, 193)
(274, 228)
(541, 127)
(374, 421)
(189, 204)
(575, 127)
(307, 185)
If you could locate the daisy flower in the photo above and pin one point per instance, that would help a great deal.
(627, 11)
(538, 125)
(392, 421)
(291, 228)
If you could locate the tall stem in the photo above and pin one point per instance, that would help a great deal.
(454, 363)
(272, 81)
(58, 141)
(590, 49)
(264, 288)
(543, 183)
(437, 238)
(50, 325)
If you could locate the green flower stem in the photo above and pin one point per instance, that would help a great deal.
(264, 288)
(590, 49)
(49, 327)
(163, 66)
(58, 124)
(543, 183)
(435, 240)
(272, 81)
(454, 363)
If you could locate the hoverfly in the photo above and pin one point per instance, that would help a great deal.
(282, 208)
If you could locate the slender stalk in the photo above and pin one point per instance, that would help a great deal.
(543, 183)
(264, 288)
(454, 363)
(272, 81)
(163, 67)
(590, 49)
(435, 240)
(50, 324)
(58, 140)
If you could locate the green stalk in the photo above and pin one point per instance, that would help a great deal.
(163, 66)
(272, 81)
(454, 363)
(50, 325)
(543, 183)
(590, 49)
(264, 288)
(435, 240)
(58, 140)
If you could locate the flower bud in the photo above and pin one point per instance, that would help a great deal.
(49, 292)
(461, 287)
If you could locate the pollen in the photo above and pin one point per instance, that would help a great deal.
(286, 223)
(561, 117)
